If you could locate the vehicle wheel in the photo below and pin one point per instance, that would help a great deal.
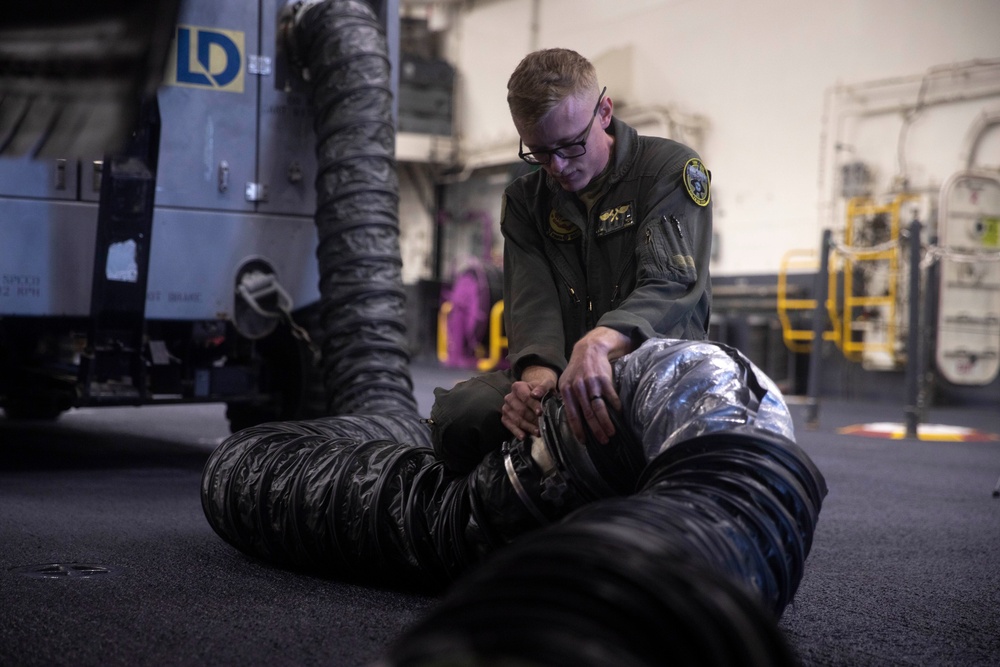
(33, 409)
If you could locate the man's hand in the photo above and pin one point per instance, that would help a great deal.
(587, 386)
(523, 405)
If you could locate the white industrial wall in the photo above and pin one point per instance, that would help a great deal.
(757, 76)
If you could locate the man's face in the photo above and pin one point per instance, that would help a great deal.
(572, 120)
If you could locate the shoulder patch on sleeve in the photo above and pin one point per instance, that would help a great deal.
(503, 208)
(697, 182)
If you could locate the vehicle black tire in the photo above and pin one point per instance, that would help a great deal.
(32, 409)
(32, 394)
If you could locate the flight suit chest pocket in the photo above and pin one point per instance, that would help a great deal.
(664, 251)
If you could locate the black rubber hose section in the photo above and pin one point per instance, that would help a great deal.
(596, 590)
(365, 354)
(693, 569)
(364, 496)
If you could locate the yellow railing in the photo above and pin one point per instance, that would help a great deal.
(846, 309)
(800, 340)
(497, 341)
(860, 210)
(442, 347)
(796, 340)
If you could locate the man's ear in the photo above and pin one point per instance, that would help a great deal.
(605, 112)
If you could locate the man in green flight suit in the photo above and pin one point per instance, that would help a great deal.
(606, 245)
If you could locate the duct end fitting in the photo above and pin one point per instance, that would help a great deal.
(259, 302)
(535, 480)
(287, 48)
(555, 473)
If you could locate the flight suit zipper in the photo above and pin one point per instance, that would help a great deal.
(616, 291)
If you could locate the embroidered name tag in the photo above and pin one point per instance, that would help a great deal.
(615, 219)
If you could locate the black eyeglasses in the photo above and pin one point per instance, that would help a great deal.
(566, 151)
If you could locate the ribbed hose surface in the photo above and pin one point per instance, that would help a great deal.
(608, 586)
(364, 496)
(357, 198)
(313, 494)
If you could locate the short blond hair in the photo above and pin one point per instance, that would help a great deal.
(545, 78)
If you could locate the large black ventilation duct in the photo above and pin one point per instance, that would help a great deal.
(363, 305)
(607, 587)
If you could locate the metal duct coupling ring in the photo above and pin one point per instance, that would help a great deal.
(554, 472)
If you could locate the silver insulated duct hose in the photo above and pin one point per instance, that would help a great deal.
(697, 517)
